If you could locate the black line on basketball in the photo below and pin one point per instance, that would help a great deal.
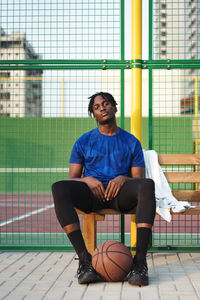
(104, 264)
(116, 263)
(97, 249)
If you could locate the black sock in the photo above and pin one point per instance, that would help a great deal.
(78, 243)
(143, 239)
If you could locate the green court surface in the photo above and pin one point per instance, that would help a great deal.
(35, 152)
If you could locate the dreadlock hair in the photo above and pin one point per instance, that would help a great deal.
(104, 95)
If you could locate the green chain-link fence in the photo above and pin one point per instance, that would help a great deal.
(174, 56)
(54, 55)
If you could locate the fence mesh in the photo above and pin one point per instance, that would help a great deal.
(35, 149)
(47, 73)
(64, 29)
(175, 101)
(44, 109)
(176, 29)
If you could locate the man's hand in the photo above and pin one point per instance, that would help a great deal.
(114, 186)
(96, 187)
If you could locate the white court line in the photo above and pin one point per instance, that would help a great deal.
(34, 212)
(33, 170)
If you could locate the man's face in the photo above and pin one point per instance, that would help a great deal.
(103, 111)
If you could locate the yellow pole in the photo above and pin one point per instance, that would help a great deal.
(136, 86)
(196, 111)
(196, 108)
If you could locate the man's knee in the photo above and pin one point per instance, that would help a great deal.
(146, 189)
(66, 189)
(149, 184)
(144, 185)
(56, 186)
(59, 189)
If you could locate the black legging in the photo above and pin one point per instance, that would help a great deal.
(70, 194)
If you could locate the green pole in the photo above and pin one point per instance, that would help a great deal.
(150, 29)
(150, 74)
(122, 35)
(150, 84)
(150, 111)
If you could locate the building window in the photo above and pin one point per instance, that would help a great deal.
(163, 6)
(163, 52)
(163, 43)
(193, 56)
(163, 24)
(35, 85)
(5, 115)
(163, 15)
(163, 33)
(4, 74)
(4, 96)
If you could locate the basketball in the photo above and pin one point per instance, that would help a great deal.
(112, 260)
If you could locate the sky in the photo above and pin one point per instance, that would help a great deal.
(57, 31)
(48, 22)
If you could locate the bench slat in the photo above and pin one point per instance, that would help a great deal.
(182, 177)
(191, 196)
(179, 159)
(109, 211)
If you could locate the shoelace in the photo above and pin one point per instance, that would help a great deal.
(140, 268)
(83, 266)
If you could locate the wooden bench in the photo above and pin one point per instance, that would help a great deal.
(180, 161)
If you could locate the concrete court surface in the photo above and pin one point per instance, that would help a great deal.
(52, 276)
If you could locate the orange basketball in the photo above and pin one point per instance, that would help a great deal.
(112, 260)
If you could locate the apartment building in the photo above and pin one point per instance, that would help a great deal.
(190, 103)
(20, 90)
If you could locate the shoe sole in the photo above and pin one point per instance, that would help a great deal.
(138, 282)
(88, 278)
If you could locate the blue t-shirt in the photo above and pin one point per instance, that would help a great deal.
(107, 156)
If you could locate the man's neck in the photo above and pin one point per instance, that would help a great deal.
(108, 129)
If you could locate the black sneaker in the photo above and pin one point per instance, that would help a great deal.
(138, 274)
(86, 273)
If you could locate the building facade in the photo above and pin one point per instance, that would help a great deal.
(190, 101)
(177, 37)
(21, 90)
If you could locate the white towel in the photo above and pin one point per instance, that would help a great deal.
(164, 197)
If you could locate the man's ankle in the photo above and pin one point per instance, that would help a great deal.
(140, 258)
(84, 257)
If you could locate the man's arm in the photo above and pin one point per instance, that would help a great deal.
(137, 172)
(96, 186)
(75, 172)
(116, 183)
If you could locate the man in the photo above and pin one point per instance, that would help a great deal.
(112, 164)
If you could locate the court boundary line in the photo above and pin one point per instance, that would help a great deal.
(24, 216)
(33, 170)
